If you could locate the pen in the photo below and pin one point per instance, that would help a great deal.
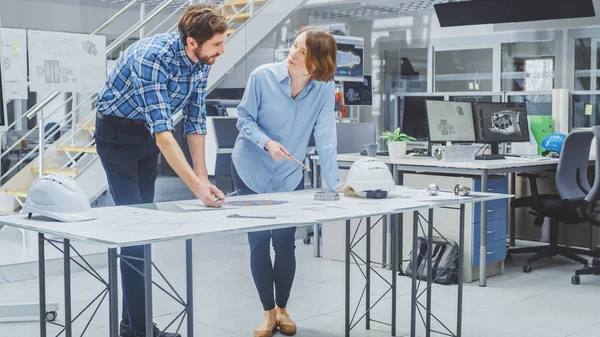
(296, 160)
(230, 194)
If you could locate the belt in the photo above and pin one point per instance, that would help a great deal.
(120, 120)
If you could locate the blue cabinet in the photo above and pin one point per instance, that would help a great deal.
(496, 222)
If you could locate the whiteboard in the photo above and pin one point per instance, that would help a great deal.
(14, 63)
(66, 62)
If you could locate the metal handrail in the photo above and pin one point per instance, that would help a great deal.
(183, 4)
(110, 49)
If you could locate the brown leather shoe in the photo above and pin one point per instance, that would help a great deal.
(288, 328)
(265, 333)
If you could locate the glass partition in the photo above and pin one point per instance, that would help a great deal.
(528, 66)
(537, 104)
(464, 70)
(585, 112)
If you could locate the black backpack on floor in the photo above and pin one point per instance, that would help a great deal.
(444, 260)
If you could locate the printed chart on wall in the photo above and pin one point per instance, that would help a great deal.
(349, 58)
(14, 63)
(66, 62)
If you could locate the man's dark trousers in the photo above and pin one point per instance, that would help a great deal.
(130, 156)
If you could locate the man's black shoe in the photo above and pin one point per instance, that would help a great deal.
(126, 331)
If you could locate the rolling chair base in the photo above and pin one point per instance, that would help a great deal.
(549, 252)
(593, 270)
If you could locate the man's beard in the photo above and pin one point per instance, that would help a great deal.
(206, 59)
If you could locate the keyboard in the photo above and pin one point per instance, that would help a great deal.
(489, 157)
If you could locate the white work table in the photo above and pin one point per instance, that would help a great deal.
(481, 168)
(122, 226)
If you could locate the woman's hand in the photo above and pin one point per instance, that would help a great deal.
(277, 151)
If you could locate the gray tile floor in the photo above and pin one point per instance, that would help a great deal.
(543, 303)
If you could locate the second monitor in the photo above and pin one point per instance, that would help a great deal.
(501, 122)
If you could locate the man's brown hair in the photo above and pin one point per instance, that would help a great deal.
(321, 55)
(201, 22)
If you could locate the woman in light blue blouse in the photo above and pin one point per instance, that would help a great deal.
(283, 104)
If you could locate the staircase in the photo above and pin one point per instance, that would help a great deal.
(74, 153)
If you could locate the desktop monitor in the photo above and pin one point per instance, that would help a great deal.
(226, 131)
(412, 114)
(501, 122)
(352, 136)
(450, 122)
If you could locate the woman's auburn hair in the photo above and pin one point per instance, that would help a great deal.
(321, 55)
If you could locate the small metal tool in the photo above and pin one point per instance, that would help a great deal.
(326, 196)
(237, 216)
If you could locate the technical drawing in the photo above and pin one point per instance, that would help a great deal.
(52, 72)
(445, 128)
(347, 59)
(59, 46)
(91, 73)
(89, 47)
(505, 122)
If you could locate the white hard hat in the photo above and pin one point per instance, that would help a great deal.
(369, 177)
(58, 197)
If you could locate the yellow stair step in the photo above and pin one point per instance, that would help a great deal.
(239, 17)
(70, 172)
(77, 149)
(242, 2)
(230, 31)
(21, 193)
(90, 127)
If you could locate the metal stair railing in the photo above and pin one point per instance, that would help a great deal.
(249, 7)
(35, 110)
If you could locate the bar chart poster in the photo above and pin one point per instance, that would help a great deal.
(350, 53)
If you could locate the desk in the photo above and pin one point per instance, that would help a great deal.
(482, 168)
(122, 226)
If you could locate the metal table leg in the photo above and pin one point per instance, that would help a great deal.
(368, 277)
(189, 273)
(42, 283)
(317, 184)
(512, 190)
(394, 274)
(413, 297)
(347, 295)
(483, 233)
(67, 285)
(148, 289)
(429, 272)
(461, 254)
(317, 244)
(113, 293)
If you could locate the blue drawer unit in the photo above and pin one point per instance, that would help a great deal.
(496, 222)
(496, 251)
(496, 230)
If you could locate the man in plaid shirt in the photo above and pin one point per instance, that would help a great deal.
(151, 80)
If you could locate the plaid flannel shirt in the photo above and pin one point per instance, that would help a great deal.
(153, 79)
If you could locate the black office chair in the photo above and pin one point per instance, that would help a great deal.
(572, 185)
(590, 209)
